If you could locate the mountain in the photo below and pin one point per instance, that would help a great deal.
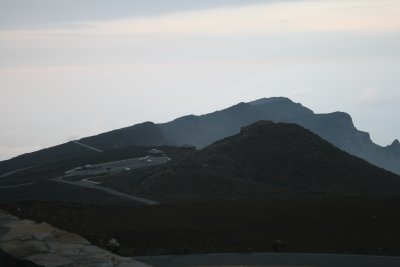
(143, 134)
(336, 127)
(269, 157)
(200, 131)
(205, 129)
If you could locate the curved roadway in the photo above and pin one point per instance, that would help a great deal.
(89, 184)
(117, 166)
(109, 167)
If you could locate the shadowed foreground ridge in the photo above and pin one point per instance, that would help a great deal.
(270, 157)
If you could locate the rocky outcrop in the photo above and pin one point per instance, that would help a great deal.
(395, 146)
(48, 246)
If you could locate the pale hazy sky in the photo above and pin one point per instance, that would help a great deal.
(73, 68)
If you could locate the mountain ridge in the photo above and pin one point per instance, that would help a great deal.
(202, 130)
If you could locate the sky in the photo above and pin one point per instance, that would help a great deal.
(74, 68)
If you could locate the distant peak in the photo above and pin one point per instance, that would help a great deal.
(395, 143)
(269, 100)
(395, 146)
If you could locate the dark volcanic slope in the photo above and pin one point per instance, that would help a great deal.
(52, 154)
(266, 157)
(57, 168)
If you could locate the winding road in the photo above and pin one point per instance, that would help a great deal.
(90, 171)
(16, 185)
(116, 166)
(13, 172)
(87, 146)
(90, 184)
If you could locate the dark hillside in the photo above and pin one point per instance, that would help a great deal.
(144, 134)
(57, 168)
(48, 155)
(271, 157)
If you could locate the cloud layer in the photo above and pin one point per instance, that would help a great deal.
(280, 17)
(86, 74)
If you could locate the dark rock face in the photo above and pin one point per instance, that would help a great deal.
(200, 131)
(271, 157)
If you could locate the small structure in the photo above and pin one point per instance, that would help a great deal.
(155, 152)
